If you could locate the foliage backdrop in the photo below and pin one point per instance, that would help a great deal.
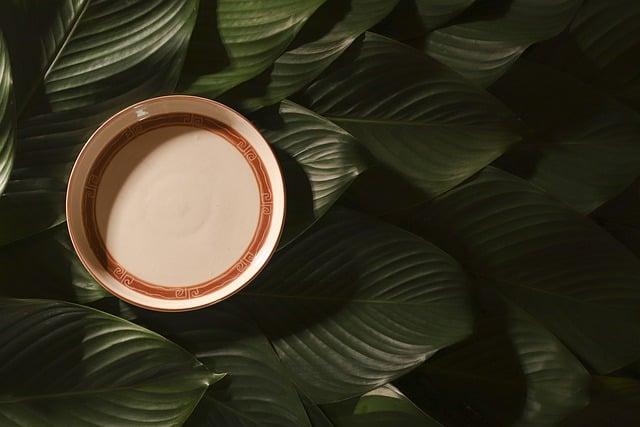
(463, 219)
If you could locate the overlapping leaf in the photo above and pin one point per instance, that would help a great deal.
(514, 363)
(491, 37)
(383, 407)
(413, 19)
(62, 364)
(329, 32)
(318, 158)
(46, 266)
(620, 216)
(251, 34)
(7, 116)
(563, 269)
(584, 146)
(601, 48)
(615, 401)
(36, 32)
(351, 313)
(91, 60)
(30, 206)
(415, 116)
(256, 390)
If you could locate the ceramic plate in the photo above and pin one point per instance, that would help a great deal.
(175, 203)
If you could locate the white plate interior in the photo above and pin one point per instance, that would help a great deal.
(177, 205)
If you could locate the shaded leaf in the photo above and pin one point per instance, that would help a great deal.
(47, 266)
(317, 417)
(620, 216)
(252, 34)
(256, 390)
(35, 32)
(601, 47)
(422, 120)
(316, 49)
(416, 18)
(384, 406)
(511, 362)
(614, 402)
(101, 58)
(92, 369)
(491, 37)
(563, 269)
(328, 156)
(584, 146)
(347, 315)
(29, 207)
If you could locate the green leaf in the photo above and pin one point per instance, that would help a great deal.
(560, 267)
(415, 18)
(256, 390)
(382, 407)
(601, 48)
(91, 60)
(511, 362)
(319, 161)
(29, 207)
(422, 120)
(584, 146)
(328, 33)
(7, 116)
(615, 401)
(46, 266)
(620, 216)
(36, 32)
(492, 36)
(250, 36)
(317, 417)
(355, 303)
(62, 364)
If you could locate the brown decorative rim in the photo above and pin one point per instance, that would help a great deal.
(123, 138)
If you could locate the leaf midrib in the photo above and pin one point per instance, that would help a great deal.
(416, 123)
(46, 70)
(337, 299)
(86, 392)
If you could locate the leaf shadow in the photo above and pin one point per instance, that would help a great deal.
(321, 22)
(463, 384)
(206, 53)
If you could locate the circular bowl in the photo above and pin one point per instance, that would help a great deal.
(175, 203)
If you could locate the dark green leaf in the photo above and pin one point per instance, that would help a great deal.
(601, 48)
(584, 146)
(96, 58)
(422, 120)
(513, 363)
(382, 407)
(318, 158)
(317, 417)
(621, 217)
(614, 402)
(356, 303)
(560, 267)
(47, 266)
(251, 35)
(256, 390)
(415, 18)
(29, 207)
(61, 364)
(490, 37)
(36, 32)
(328, 33)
